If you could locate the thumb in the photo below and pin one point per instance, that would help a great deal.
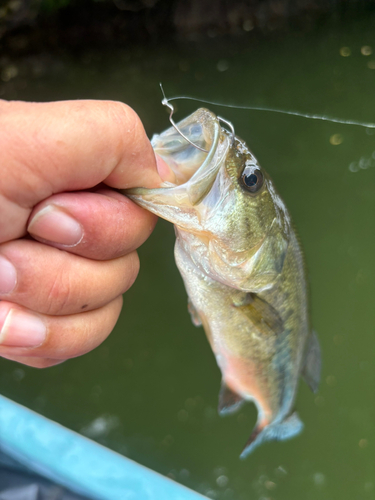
(48, 148)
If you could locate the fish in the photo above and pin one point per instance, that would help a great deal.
(243, 269)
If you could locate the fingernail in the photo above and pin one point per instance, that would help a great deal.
(164, 170)
(54, 225)
(21, 329)
(8, 276)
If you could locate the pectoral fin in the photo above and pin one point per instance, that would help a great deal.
(262, 314)
(313, 362)
(229, 401)
(288, 428)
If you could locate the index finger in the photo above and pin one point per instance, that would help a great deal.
(48, 148)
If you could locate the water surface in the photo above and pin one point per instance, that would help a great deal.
(150, 391)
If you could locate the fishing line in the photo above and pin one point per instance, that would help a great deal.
(275, 110)
(165, 102)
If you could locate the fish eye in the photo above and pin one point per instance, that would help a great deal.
(252, 180)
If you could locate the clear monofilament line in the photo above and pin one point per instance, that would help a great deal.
(281, 111)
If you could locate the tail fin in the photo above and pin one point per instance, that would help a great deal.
(281, 431)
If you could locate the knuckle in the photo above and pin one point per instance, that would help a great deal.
(125, 117)
(59, 294)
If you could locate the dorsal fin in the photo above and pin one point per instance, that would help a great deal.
(229, 401)
(262, 314)
(313, 362)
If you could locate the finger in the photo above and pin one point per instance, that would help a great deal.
(25, 334)
(66, 284)
(102, 225)
(54, 147)
(164, 170)
(34, 362)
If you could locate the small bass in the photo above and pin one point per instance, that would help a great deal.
(243, 270)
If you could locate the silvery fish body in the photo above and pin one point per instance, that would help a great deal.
(243, 270)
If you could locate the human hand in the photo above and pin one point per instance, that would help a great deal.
(67, 240)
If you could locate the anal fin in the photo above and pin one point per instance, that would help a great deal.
(313, 362)
(281, 431)
(229, 401)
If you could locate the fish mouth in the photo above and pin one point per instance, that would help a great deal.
(195, 170)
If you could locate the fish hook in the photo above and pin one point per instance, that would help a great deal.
(165, 102)
(230, 125)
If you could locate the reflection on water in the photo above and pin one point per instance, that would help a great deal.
(156, 373)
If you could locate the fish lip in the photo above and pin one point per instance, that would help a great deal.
(201, 181)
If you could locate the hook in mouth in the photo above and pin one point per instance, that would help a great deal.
(166, 103)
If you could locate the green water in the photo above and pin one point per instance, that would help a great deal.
(150, 391)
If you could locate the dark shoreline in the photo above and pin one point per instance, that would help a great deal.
(34, 26)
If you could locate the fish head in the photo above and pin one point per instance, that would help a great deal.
(224, 198)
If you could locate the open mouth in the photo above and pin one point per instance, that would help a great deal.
(185, 148)
(195, 164)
